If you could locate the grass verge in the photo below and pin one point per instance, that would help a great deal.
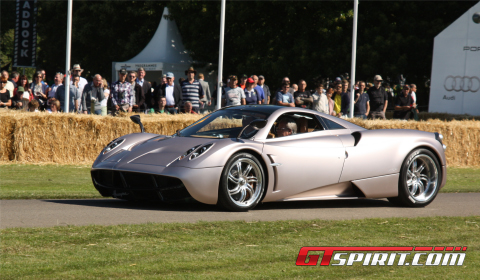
(233, 250)
(28, 181)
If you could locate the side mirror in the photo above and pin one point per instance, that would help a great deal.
(136, 119)
(255, 124)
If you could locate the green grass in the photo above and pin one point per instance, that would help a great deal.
(25, 181)
(230, 250)
(28, 181)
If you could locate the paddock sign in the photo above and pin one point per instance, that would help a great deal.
(25, 53)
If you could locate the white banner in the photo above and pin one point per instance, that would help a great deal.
(455, 82)
(157, 66)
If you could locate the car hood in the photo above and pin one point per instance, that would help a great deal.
(158, 151)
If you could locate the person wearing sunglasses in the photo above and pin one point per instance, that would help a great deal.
(138, 96)
(5, 99)
(284, 97)
(39, 89)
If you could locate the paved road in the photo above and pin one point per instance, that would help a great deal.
(44, 213)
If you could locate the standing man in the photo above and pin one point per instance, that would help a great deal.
(207, 99)
(303, 98)
(60, 95)
(345, 108)
(77, 71)
(172, 92)
(259, 89)
(14, 78)
(233, 95)
(361, 108)
(283, 97)
(93, 96)
(122, 94)
(139, 96)
(243, 81)
(192, 90)
(9, 86)
(146, 87)
(266, 89)
(378, 99)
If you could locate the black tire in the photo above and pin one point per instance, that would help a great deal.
(420, 178)
(241, 191)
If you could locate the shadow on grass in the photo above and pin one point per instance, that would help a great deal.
(200, 207)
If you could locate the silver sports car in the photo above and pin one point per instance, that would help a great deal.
(239, 156)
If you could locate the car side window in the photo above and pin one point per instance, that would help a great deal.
(331, 124)
(295, 123)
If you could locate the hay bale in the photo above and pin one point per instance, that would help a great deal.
(78, 139)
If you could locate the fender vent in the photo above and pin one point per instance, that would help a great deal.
(357, 135)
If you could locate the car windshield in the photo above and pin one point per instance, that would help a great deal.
(224, 124)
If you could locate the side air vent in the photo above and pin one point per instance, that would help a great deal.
(357, 135)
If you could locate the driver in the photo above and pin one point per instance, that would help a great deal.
(286, 126)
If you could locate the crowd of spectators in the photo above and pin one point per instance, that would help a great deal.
(132, 93)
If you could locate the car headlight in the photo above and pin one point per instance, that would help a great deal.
(198, 152)
(112, 145)
(187, 153)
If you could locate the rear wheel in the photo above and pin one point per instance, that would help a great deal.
(419, 179)
(242, 183)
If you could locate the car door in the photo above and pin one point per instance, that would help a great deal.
(305, 161)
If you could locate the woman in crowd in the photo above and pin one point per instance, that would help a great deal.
(22, 94)
(331, 103)
(39, 90)
(251, 95)
(337, 98)
(106, 93)
(54, 106)
(5, 100)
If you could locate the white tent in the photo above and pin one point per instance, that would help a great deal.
(455, 81)
(164, 53)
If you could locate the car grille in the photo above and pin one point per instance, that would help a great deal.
(136, 185)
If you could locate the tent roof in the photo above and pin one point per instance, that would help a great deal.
(165, 46)
(463, 27)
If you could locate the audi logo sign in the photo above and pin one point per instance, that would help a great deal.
(462, 83)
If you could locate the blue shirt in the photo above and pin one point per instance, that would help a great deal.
(251, 97)
(261, 93)
(284, 97)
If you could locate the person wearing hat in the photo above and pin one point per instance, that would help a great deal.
(122, 93)
(252, 96)
(266, 89)
(243, 81)
(82, 82)
(378, 99)
(192, 90)
(172, 92)
(233, 94)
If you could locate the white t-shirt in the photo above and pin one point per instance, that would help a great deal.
(104, 101)
(234, 96)
(414, 97)
(169, 95)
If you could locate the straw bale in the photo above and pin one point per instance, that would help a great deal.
(78, 139)
(7, 126)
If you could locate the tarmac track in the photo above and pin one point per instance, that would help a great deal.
(53, 212)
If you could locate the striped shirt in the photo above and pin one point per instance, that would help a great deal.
(192, 92)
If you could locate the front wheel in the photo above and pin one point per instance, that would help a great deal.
(242, 183)
(419, 179)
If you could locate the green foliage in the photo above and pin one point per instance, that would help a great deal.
(299, 39)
